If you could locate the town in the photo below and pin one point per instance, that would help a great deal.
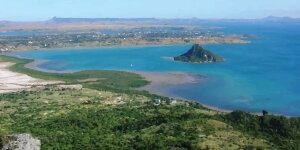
(116, 37)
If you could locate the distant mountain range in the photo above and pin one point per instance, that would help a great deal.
(91, 24)
(180, 21)
(156, 20)
(96, 20)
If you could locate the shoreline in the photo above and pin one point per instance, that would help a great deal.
(158, 82)
(128, 46)
(100, 47)
(162, 80)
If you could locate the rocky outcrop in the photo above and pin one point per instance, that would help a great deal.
(198, 54)
(20, 142)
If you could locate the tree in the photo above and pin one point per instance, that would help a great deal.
(264, 112)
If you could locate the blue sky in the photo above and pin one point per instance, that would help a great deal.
(30, 10)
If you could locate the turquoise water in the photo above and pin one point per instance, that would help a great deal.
(262, 75)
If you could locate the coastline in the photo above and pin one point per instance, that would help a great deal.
(158, 82)
(100, 47)
(242, 41)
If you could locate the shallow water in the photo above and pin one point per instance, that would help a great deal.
(262, 75)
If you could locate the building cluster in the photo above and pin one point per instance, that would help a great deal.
(99, 38)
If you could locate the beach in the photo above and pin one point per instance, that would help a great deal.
(13, 82)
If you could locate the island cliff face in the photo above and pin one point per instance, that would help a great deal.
(198, 54)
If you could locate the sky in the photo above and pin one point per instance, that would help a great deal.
(35, 10)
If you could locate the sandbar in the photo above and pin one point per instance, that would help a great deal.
(13, 81)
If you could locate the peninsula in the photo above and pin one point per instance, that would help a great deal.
(197, 54)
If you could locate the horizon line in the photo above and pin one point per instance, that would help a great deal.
(170, 18)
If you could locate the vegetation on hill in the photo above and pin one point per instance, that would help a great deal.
(198, 54)
(109, 114)
(92, 119)
(283, 131)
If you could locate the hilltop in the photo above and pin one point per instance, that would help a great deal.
(197, 54)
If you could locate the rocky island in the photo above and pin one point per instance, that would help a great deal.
(197, 54)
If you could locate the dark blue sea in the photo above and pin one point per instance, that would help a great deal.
(262, 75)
